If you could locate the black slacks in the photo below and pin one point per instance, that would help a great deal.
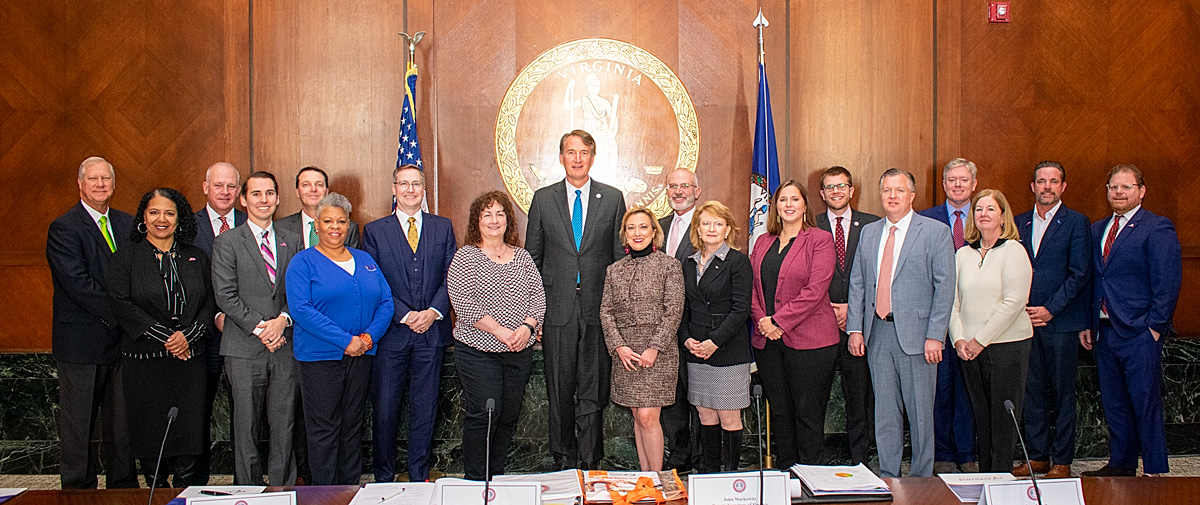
(578, 370)
(797, 384)
(500, 376)
(683, 449)
(995, 375)
(335, 396)
(860, 401)
(85, 391)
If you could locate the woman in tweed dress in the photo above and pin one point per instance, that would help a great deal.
(640, 313)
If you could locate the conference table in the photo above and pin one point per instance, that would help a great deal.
(907, 491)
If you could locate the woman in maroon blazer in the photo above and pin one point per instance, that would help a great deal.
(795, 332)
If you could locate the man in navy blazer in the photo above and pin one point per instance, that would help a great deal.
(221, 186)
(1060, 250)
(414, 250)
(1139, 270)
(683, 187)
(85, 337)
(954, 425)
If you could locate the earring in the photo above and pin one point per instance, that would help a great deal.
(626, 250)
(141, 228)
(653, 248)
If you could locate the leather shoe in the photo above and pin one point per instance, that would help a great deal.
(1108, 471)
(1058, 472)
(1038, 467)
(969, 467)
(940, 467)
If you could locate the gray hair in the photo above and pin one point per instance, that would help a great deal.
(695, 176)
(334, 200)
(208, 173)
(961, 162)
(92, 161)
(893, 172)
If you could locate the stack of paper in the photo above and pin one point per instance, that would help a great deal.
(6, 493)
(968, 487)
(847, 483)
(565, 486)
(395, 493)
(598, 485)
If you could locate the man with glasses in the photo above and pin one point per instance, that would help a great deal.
(1139, 270)
(683, 187)
(414, 250)
(837, 189)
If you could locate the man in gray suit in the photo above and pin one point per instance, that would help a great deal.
(573, 236)
(248, 267)
(901, 292)
(683, 187)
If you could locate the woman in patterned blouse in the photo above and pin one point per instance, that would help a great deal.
(497, 294)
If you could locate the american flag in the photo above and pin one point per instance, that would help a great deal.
(409, 150)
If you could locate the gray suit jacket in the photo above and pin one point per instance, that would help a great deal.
(243, 289)
(922, 286)
(294, 223)
(551, 242)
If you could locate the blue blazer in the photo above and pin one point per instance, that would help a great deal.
(940, 213)
(386, 240)
(1062, 269)
(1140, 282)
(330, 307)
(205, 234)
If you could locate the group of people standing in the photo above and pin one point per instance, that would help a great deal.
(662, 316)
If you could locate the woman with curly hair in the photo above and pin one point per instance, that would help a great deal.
(161, 293)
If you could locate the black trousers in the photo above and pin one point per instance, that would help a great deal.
(500, 376)
(1050, 396)
(335, 396)
(860, 401)
(995, 375)
(84, 392)
(678, 419)
(578, 370)
(213, 369)
(797, 384)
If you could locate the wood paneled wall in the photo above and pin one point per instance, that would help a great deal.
(164, 91)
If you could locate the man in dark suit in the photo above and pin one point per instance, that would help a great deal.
(312, 184)
(683, 187)
(573, 235)
(1139, 270)
(837, 189)
(413, 250)
(954, 425)
(221, 184)
(1059, 246)
(86, 340)
(248, 267)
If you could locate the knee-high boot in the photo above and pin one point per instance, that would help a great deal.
(731, 449)
(710, 441)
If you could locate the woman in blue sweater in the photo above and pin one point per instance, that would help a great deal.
(340, 302)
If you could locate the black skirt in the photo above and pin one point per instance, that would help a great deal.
(152, 387)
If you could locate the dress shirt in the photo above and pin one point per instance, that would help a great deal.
(685, 227)
(258, 236)
(846, 220)
(304, 224)
(1124, 221)
(96, 219)
(1039, 225)
(901, 232)
(966, 213)
(583, 197)
(400, 215)
(215, 219)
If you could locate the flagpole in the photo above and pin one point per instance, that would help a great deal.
(764, 154)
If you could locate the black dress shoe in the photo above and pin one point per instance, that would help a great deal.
(1108, 471)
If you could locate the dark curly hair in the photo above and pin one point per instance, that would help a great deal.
(511, 237)
(185, 230)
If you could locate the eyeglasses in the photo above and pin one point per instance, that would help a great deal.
(405, 185)
(1112, 188)
(681, 186)
(839, 186)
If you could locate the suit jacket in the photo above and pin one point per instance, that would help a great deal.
(802, 306)
(242, 288)
(923, 283)
(205, 232)
(295, 223)
(1140, 282)
(138, 297)
(551, 242)
(84, 326)
(716, 308)
(685, 241)
(1062, 269)
(939, 213)
(839, 287)
(386, 240)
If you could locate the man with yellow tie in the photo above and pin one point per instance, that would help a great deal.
(86, 340)
(413, 250)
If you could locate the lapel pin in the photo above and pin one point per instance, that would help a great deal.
(282, 244)
(597, 195)
(192, 259)
(856, 223)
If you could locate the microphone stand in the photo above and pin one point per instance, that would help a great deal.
(154, 483)
(758, 410)
(487, 463)
(1008, 405)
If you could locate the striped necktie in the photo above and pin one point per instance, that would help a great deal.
(268, 256)
(112, 246)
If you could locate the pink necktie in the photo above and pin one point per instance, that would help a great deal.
(883, 290)
(224, 225)
(673, 236)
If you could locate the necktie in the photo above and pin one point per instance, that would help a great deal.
(839, 243)
(312, 233)
(1108, 242)
(883, 288)
(577, 219)
(673, 236)
(112, 246)
(224, 226)
(268, 257)
(413, 236)
(959, 236)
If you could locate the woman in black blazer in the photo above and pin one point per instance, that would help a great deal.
(161, 293)
(717, 281)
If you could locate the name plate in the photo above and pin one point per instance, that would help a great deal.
(738, 488)
(281, 498)
(1055, 491)
(499, 493)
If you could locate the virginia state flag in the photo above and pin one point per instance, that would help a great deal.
(764, 176)
(409, 152)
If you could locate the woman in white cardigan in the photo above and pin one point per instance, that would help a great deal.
(989, 327)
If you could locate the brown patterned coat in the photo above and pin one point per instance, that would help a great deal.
(641, 308)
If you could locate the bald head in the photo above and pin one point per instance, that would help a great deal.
(221, 186)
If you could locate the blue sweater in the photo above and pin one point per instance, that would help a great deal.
(331, 307)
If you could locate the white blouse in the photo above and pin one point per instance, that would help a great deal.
(991, 294)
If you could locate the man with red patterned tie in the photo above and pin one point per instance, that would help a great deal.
(954, 426)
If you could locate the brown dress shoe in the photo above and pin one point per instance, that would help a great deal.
(1108, 471)
(1058, 472)
(1038, 467)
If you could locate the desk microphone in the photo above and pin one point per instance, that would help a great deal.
(758, 408)
(1008, 405)
(487, 463)
(154, 483)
